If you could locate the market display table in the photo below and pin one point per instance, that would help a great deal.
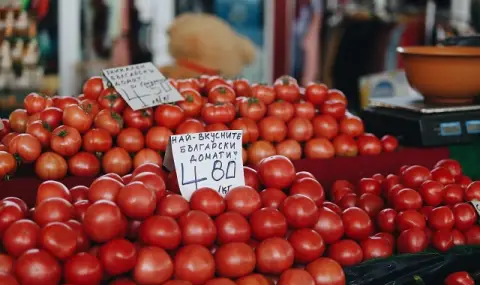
(24, 185)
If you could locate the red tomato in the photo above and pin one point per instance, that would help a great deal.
(190, 126)
(83, 243)
(208, 201)
(389, 143)
(319, 148)
(110, 121)
(242, 87)
(53, 210)
(26, 148)
(345, 145)
(326, 271)
(160, 231)
(432, 192)
(442, 240)
(300, 211)
(7, 279)
(325, 126)
(337, 95)
(264, 93)
(187, 84)
(117, 160)
(415, 175)
(20, 236)
(169, 116)
(464, 181)
(194, 263)
(369, 144)
(316, 93)
(413, 240)
(41, 131)
(371, 204)
(272, 129)
(459, 278)
(376, 247)
(282, 110)
(369, 185)
(243, 199)
(274, 256)
(332, 206)
(248, 127)
(296, 276)
(83, 269)
(304, 109)
(131, 139)
(93, 87)
(117, 256)
(66, 141)
(352, 126)
(157, 138)
(458, 237)
(152, 181)
(272, 198)
(465, 216)
(234, 260)
(97, 141)
(300, 129)
(136, 200)
(453, 194)
(18, 120)
(276, 172)
(452, 165)
(6, 128)
(473, 191)
(59, 239)
(232, 227)
(140, 119)
(37, 267)
(76, 117)
(346, 252)
(172, 205)
(103, 221)
(348, 200)
(192, 105)
(307, 244)
(442, 175)
(19, 202)
(287, 91)
(260, 150)
(35, 103)
(358, 224)
(84, 164)
(267, 223)
(407, 199)
(289, 148)
(410, 219)
(251, 178)
(104, 188)
(334, 108)
(8, 164)
(91, 107)
(441, 218)
(473, 235)
(111, 100)
(218, 113)
(216, 127)
(197, 228)
(329, 225)
(153, 266)
(221, 94)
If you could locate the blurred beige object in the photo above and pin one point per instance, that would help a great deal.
(206, 44)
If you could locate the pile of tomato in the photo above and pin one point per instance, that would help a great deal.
(98, 132)
(281, 228)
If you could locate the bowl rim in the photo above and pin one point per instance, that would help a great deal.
(450, 51)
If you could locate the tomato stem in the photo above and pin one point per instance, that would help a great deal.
(62, 133)
(46, 126)
(99, 155)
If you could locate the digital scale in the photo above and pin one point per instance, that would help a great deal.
(415, 123)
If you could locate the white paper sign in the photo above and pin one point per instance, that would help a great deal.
(142, 85)
(211, 159)
(476, 206)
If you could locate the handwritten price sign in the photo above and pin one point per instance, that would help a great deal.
(212, 159)
(142, 85)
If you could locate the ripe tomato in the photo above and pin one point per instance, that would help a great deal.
(232, 227)
(53, 210)
(260, 150)
(110, 121)
(334, 108)
(267, 223)
(369, 144)
(371, 204)
(152, 181)
(332, 206)
(160, 231)
(41, 131)
(131, 139)
(157, 138)
(216, 127)
(52, 116)
(117, 256)
(251, 178)
(93, 87)
(66, 141)
(136, 200)
(274, 256)
(299, 211)
(452, 165)
(37, 266)
(386, 220)
(458, 237)
(289, 148)
(307, 244)
(248, 127)
(83, 269)
(62, 102)
(369, 185)
(153, 265)
(300, 129)
(192, 103)
(84, 164)
(319, 148)
(208, 201)
(218, 113)
(197, 228)
(415, 175)
(459, 278)
(20, 236)
(145, 156)
(97, 141)
(59, 239)
(352, 126)
(316, 93)
(329, 225)
(473, 235)
(242, 87)
(243, 199)
(282, 110)
(389, 143)
(33, 118)
(358, 224)
(6, 128)
(276, 172)
(272, 129)
(169, 116)
(376, 247)
(111, 100)
(194, 263)
(326, 271)
(234, 260)
(140, 119)
(465, 216)
(117, 160)
(473, 191)
(410, 219)
(310, 188)
(441, 218)
(346, 252)
(18, 120)
(172, 205)
(345, 145)
(26, 148)
(35, 103)
(407, 199)
(19, 202)
(442, 240)
(187, 84)
(287, 90)
(304, 109)
(51, 189)
(442, 175)
(102, 221)
(295, 276)
(50, 166)
(214, 81)
(251, 108)
(336, 95)
(264, 93)
(348, 200)
(412, 240)
(221, 94)
(8, 164)
(76, 117)
(83, 243)
(432, 192)
(90, 106)
(390, 181)
(453, 194)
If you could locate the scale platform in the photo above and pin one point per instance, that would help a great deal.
(418, 124)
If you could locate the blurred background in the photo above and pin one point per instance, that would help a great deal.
(53, 46)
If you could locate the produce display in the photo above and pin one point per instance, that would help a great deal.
(98, 132)
(282, 228)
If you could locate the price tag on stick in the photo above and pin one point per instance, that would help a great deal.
(211, 159)
(142, 85)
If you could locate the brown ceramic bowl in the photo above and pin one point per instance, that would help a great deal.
(443, 75)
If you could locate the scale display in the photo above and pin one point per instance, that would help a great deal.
(450, 129)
